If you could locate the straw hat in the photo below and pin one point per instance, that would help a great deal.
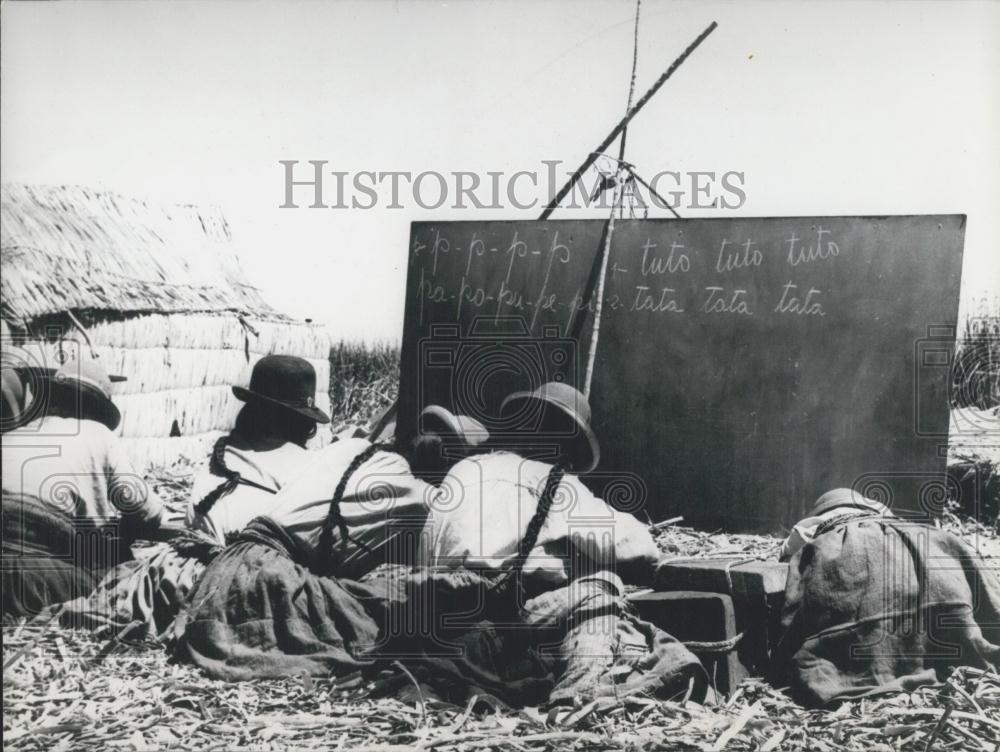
(436, 419)
(553, 403)
(88, 380)
(286, 381)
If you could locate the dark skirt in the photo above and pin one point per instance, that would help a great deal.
(48, 557)
(144, 595)
(879, 605)
(258, 612)
(462, 635)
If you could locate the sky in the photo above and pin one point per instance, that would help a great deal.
(827, 108)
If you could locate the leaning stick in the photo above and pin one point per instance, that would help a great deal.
(615, 206)
(625, 121)
(602, 275)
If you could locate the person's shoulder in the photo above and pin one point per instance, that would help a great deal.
(250, 453)
(344, 451)
(58, 427)
(487, 462)
(32, 428)
(495, 458)
(337, 450)
(524, 469)
(95, 430)
(499, 465)
(387, 459)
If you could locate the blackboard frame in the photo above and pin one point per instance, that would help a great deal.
(898, 300)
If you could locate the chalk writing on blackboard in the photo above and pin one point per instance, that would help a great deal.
(675, 261)
(498, 295)
(653, 301)
(728, 260)
(719, 300)
(744, 365)
(793, 302)
(819, 250)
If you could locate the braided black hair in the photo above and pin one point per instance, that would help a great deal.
(255, 420)
(217, 466)
(534, 529)
(334, 518)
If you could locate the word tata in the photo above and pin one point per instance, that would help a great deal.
(717, 299)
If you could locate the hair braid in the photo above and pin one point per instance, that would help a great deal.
(217, 466)
(536, 523)
(334, 518)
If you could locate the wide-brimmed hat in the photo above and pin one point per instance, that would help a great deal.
(92, 384)
(439, 420)
(847, 499)
(286, 381)
(552, 403)
(13, 398)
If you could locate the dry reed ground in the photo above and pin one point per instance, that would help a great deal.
(66, 691)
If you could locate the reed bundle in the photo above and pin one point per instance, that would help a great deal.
(158, 296)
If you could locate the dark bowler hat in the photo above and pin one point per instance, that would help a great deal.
(286, 381)
(559, 402)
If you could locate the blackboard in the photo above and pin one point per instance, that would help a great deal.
(744, 366)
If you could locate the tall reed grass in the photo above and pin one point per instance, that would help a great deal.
(976, 373)
(364, 380)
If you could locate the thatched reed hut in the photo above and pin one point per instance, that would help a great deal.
(157, 293)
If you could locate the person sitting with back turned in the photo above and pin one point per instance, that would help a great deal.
(442, 440)
(299, 589)
(522, 568)
(67, 469)
(384, 502)
(875, 603)
(70, 459)
(525, 506)
(265, 450)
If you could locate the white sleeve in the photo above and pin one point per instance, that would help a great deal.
(605, 535)
(128, 490)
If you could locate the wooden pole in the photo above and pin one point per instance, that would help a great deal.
(609, 230)
(599, 301)
(625, 121)
(631, 84)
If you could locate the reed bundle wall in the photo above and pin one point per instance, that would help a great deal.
(157, 295)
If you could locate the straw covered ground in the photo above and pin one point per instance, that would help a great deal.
(66, 691)
(63, 692)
